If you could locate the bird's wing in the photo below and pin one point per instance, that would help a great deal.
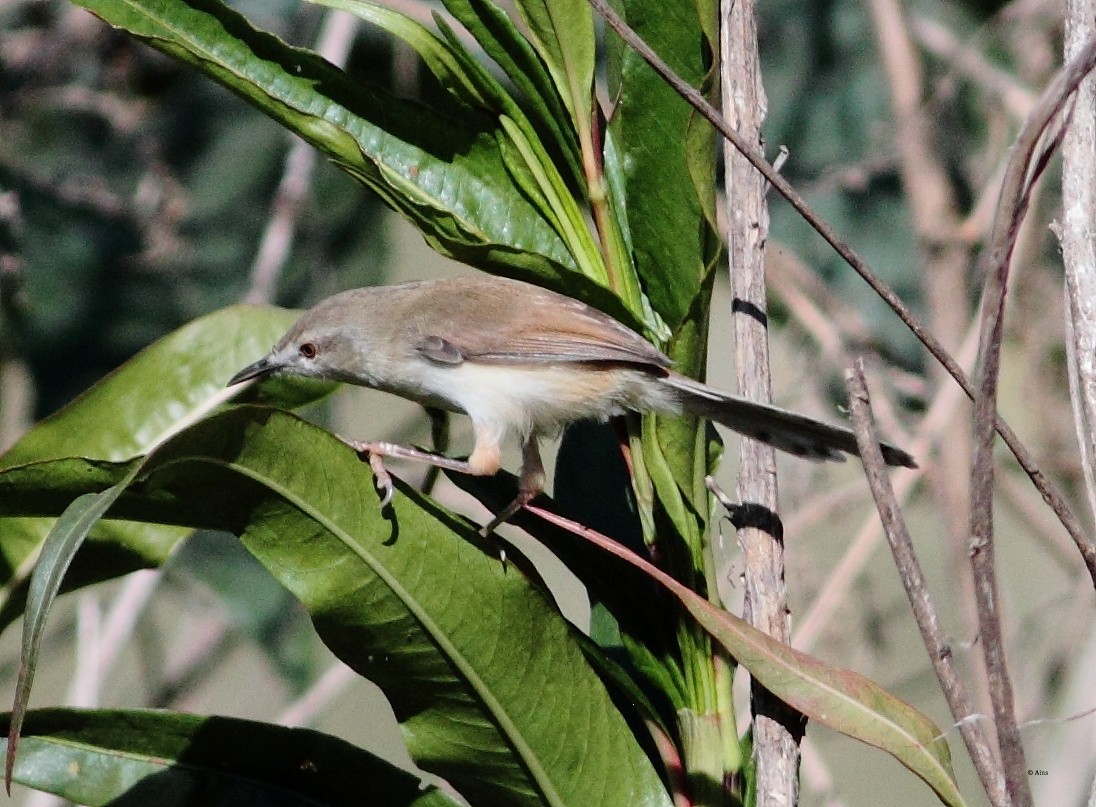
(531, 325)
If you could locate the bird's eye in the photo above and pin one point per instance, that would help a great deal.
(308, 350)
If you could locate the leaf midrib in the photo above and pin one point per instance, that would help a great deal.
(458, 659)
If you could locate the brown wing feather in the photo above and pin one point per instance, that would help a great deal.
(529, 325)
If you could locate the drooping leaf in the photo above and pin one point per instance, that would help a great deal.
(563, 32)
(175, 381)
(58, 550)
(170, 759)
(501, 40)
(840, 699)
(533, 172)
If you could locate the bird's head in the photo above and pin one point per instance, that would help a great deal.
(322, 344)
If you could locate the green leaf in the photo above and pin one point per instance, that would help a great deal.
(841, 699)
(643, 619)
(58, 550)
(563, 33)
(532, 170)
(501, 40)
(476, 661)
(181, 760)
(174, 382)
(660, 159)
(444, 173)
(489, 682)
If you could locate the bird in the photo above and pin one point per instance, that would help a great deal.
(522, 362)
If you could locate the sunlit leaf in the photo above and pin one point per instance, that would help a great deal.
(563, 32)
(174, 382)
(489, 682)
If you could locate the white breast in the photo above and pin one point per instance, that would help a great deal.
(537, 400)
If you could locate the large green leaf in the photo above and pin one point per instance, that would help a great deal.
(444, 172)
(488, 681)
(180, 760)
(172, 383)
(660, 158)
(176, 381)
(401, 597)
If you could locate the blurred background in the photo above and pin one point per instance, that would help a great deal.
(136, 195)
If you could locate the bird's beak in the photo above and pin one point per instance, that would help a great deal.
(262, 367)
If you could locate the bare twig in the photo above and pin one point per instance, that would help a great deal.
(913, 580)
(1036, 142)
(837, 586)
(1049, 491)
(776, 732)
(335, 39)
(969, 62)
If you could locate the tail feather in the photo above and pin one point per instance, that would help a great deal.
(788, 431)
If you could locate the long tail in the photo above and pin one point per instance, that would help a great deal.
(788, 431)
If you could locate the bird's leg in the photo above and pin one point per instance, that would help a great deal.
(530, 484)
(485, 460)
(376, 451)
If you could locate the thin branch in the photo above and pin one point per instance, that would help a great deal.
(848, 568)
(1049, 491)
(913, 580)
(1037, 141)
(945, 260)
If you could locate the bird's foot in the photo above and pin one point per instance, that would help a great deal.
(375, 454)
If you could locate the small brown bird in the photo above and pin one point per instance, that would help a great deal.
(518, 360)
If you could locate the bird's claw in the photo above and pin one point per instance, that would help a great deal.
(381, 478)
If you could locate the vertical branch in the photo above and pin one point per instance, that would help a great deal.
(1034, 146)
(913, 580)
(1079, 244)
(776, 731)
